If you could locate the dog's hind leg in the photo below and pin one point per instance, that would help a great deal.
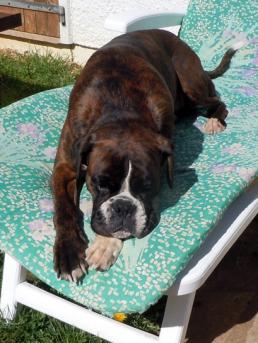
(217, 113)
(216, 110)
(198, 87)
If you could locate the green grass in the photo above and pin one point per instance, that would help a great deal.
(21, 76)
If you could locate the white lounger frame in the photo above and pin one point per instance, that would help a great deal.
(15, 289)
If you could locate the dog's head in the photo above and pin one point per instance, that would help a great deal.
(123, 173)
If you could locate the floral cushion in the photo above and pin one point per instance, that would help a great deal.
(211, 171)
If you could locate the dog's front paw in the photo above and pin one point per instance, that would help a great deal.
(103, 253)
(213, 125)
(69, 257)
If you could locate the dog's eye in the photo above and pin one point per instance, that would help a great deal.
(146, 185)
(101, 183)
(102, 189)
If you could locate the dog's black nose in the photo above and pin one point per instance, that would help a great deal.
(123, 207)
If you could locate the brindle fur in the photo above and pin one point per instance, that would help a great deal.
(125, 100)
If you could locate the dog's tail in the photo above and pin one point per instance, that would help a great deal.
(225, 62)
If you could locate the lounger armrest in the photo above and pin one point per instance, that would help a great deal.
(142, 20)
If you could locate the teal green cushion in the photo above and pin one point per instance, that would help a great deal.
(210, 172)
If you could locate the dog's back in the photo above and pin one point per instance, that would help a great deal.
(121, 76)
(119, 124)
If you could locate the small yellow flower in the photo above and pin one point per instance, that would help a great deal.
(120, 316)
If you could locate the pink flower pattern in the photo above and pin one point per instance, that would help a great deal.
(222, 168)
(28, 129)
(234, 149)
(50, 152)
(246, 173)
(40, 229)
(46, 205)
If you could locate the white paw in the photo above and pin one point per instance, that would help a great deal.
(213, 125)
(103, 253)
(86, 207)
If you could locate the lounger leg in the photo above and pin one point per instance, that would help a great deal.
(176, 317)
(13, 274)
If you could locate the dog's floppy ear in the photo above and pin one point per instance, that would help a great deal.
(166, 148)
(83, 149)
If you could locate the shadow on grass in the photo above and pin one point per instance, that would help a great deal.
(12, 90)
(24, 75)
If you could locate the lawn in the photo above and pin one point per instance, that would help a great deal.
(21, 76)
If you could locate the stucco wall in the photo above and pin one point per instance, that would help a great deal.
(86, 21)
(88, 16)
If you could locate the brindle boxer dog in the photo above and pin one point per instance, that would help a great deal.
(117, 137)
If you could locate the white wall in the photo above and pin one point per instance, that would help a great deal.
(86, 26)
(88, 16)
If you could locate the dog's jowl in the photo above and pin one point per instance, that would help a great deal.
(117, 138)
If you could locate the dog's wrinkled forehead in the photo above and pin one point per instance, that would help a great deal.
(107, 168)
